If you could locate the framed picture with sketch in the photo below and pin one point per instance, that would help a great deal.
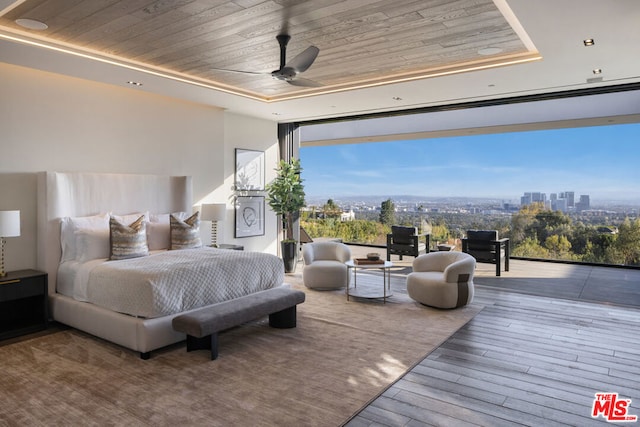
(249, 170)
(249, 216)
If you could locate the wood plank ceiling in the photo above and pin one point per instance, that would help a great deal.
(361, 42)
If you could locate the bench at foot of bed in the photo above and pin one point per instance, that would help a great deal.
(202, 326)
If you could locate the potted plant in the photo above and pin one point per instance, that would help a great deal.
(285, 196)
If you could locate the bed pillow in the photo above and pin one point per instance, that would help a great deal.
(159, 230)
(128, 241)
(185, 234)
(92, 244)
(70, 225)
(132, 217)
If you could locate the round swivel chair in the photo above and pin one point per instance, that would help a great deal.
(442, 279)
(324, 265)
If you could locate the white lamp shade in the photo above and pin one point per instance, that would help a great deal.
(213, 212)
(9, 223)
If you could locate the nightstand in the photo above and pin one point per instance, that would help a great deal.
(230, 246)
(23, 303)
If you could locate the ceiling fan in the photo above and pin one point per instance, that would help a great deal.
(289, 71)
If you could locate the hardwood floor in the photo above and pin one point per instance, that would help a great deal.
(526, 358)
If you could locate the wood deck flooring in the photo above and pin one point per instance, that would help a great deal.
(549, 338)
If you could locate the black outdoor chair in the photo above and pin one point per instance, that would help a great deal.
(485, 246)
(406, 241)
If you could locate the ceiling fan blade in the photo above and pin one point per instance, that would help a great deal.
(287, 72)
(255, 73)
(304, 59)
(303, 82)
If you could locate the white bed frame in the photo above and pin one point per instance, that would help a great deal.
(83, 194)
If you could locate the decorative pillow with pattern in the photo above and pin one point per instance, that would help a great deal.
(128, 241)
(185, 234)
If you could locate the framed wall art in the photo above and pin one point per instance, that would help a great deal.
(249, 216)
(249, 170)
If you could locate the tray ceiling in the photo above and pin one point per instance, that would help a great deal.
(362, 43)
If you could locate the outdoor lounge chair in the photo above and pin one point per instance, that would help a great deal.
(485, 246)
(406, 241)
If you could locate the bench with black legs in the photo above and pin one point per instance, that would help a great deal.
(202, 326)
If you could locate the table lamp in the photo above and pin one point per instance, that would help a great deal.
(214, 212)
(9, 227)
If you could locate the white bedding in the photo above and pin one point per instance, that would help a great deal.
(73, 277)
(169, 282)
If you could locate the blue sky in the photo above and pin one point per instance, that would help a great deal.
(602, 161)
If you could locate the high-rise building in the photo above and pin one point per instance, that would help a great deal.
(538, 197)
(533, 197)
(561, 205)
(571, 198)
(584, 203)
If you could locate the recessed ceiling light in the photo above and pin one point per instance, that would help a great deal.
(277, 114)
(597, 71)
(134, 83)
(397, 98)
(589, 42)
(31, 24)
(489, 51)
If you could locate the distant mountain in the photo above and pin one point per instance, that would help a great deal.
(454, 201)
(405, 199)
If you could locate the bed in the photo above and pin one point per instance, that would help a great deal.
(107, 298)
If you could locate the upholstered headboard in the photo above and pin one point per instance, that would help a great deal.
(82, 194)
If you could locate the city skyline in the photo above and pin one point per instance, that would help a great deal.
(600, 161)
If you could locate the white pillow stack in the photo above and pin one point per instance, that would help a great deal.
(87, 238)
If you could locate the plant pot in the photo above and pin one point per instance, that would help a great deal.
(289, 256)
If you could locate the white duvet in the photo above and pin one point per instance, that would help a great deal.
(170, 282)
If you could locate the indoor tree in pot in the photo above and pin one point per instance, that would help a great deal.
(285, 196)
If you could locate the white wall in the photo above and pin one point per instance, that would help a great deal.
(244, 132)
(50, 122)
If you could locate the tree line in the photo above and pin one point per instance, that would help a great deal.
(534, 232)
